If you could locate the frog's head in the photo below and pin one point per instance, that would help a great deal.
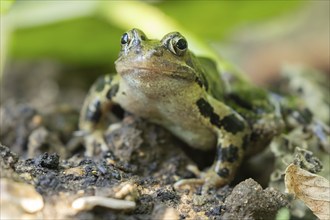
(156, 63)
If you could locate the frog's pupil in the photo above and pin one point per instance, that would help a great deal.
(181, 44)
(124, 39)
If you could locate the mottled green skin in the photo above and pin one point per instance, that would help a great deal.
(165, 83)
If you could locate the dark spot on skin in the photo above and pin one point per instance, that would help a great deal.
(228, 154)
(118, 111)
(215, 120)
(246, 142)
(224, 172)
(239, 101)
(112, 91)
(94, 111)
(232, 124)
(205, 83)
(124, 93)
(100, 83)
(204, 107)
(199, 82)
(207, 111)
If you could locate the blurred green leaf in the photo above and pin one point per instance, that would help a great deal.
(85, 41)
(5, 5)
(88, 33)
(215, 19)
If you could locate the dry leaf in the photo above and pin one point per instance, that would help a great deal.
(312, 189)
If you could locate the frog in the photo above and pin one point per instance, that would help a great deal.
(165, 83)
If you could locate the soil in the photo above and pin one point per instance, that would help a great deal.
(40, 147)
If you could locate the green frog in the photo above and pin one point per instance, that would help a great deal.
(163, 82)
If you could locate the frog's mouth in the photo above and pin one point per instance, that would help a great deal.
(148, 72)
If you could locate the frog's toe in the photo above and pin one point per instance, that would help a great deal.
(95, 142)
(209, 179)
(188, 182)
(213, 180)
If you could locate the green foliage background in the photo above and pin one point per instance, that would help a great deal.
(87, 33)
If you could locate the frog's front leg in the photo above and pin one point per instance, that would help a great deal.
(93, 116)
(233, 134)
(231, 145)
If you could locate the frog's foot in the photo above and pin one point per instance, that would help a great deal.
(188, 182)
(213, 180)
(208, 179)
(95, 142)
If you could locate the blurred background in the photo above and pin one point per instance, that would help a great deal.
(51, 51)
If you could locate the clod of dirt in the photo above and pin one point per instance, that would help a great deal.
(48, 161)
(249, 201)
(8, 158)
(41, 140)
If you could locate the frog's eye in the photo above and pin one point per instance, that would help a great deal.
(178, 45)
(134, 36)
(125, 39)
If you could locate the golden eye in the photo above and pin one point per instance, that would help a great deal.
(178, 45)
